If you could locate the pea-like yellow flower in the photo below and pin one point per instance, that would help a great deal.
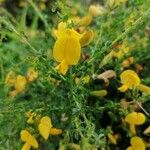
(31, 117)
(29, 140)
(96, 10)
(19, 85)
(127, 62)
(32, 74)
(67, 49)
(86, 20)
(144, 88)
(86, 38)
(120, 51)
(129, 79)
(136, 144)
(61, 26)
(134, 119)
(45, 128)
(112, 138)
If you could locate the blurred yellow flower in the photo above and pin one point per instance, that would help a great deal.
(30, 115)
(29, 140)
(136, 144)
(55, 131)
(129, 79)
(32, 74)
(134, 119)
(86, 38)
(112, 138)
(67, 49)
(120, 51)
(45, 128)
(96, 10)
(144, 88)
(85, 21)
(19, 85)
(127, 62)
(61, 26)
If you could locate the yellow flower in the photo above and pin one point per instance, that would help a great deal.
(61, 27)
(129, 79)
(144, 88)
(86, 38)
(85, 21)
(55, 131)
(120, 51)
(45, 128)
(96, 10)
(19, 85)
(29, 140)
(136, 144)
(113, 138)
(127, 62)
(32, 74)
(133, 119)
(67, 49)
(30, 115)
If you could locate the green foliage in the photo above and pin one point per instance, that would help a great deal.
(26, 41)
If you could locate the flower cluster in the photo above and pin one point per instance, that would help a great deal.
(45, 129)
(19, 82)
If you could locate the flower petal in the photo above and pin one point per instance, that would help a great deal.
(67, 49)
(86, 38)
(28, 138)
(62, 67)
(123, 88)
(46, 121)
(55, 131)
(44, 130)
(26, 146)
(137, 143)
